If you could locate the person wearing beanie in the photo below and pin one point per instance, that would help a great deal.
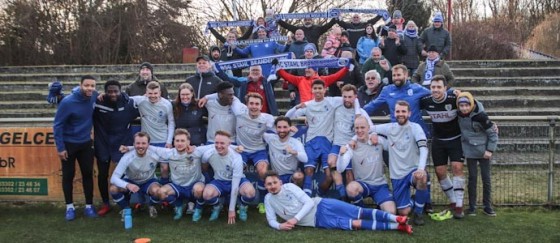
(413, 45)
(479, 139)
(356, 28)
(437, 36)
(397, 23)
(431, 67)
(392, 47)
(145, 75)
(344, 45)
(310, 52)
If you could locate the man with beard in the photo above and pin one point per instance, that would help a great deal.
(111, 122)
(145, 75)
(319, 113)
(312, 32)
(72, 136)
(408, 153)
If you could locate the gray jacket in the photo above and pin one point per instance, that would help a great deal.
(477, 134)
(438, 37)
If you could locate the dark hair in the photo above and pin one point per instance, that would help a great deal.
(440, 77)
(403, 103)
(141, 135)
(112, 82)
(178, 107)
(223, 86)
(283, 118)
(349, 87)
(86, 77)
(373, 35)
(318, 81)
(153, 85)
(271, 173)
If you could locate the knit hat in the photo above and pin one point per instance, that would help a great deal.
(438, 17)
(433, 48)
(466, 98)
(147, 65)
(397, 14)
(345, 33)
(214, 48)
(310, 46)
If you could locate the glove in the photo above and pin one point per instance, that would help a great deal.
(55, 90)
(274, 61)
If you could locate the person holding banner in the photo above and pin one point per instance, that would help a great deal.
(72, 135)
(397, 22)
(303, 83)
(312, 32)
(263, 48)
(356, 29)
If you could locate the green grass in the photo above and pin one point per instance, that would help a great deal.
(45, 223)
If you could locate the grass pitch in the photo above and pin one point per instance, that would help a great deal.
(45, 223)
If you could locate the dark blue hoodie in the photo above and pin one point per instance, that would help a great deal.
(73, 119)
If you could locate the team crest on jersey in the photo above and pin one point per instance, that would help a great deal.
(410, 92)
(194, 112)
(228, 168)
(448, 107)
(284, 151)
(326, 108)
(260, 125)
(190, 160)
(160, 113)
(152, 165)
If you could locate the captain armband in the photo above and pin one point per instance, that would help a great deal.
(422, 143)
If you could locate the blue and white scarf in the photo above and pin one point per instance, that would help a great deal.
(308, 63)
(411, 33)
(248, 62)
(316, 15)
(254, 41)
(382, 12)
(216, 24)
(430, 68)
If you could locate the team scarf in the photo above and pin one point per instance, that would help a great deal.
(411, 33)
(317, 15)
(382, 12)
(255, 41)
(429, 74)
(248, 62)
(307, 63)
(216, 24)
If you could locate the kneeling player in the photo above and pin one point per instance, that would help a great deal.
(367, 166)
(292, 204)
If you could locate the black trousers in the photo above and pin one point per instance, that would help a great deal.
(83, 152)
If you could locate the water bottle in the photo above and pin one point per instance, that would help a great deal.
(127, 218)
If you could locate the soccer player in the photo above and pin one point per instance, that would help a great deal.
(156, 117)
(220, 115)
(285, 152)
(320, 120)
(446, 143)
(139, 170)
(367, 165)
(111, 125)
(294, 206)
(408, 153)
(343, 131)
(228, 179)
(72, 135)
(251, 124)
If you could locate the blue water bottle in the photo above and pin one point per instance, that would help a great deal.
(127, 218)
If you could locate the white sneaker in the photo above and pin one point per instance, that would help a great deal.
(153, 212)
(190, 208)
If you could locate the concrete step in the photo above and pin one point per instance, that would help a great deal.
(101, 77)
(536, 81)
(507, 71)
(133, 68)
(499, 111)
(521, 91)
(521, 63)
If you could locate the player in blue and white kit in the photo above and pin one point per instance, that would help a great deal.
(156, 117)
(294, 206)
(367, 165)
(320, 121)
(251, 124)
(408, 153)
(228, 179)
(139, 170)
(220, 114)
(285, 152)
(343, 131)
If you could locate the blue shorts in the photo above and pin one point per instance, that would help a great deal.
(144, 186)
(161, 145)
(379, 193)
(401, 190)
(255, 157)
(335, 214)
(224, 187)
(183, 192)
(287, 178)
(335, 150)
(317, 148)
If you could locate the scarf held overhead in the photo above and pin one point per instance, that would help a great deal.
(217, 24)
(248, 62)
